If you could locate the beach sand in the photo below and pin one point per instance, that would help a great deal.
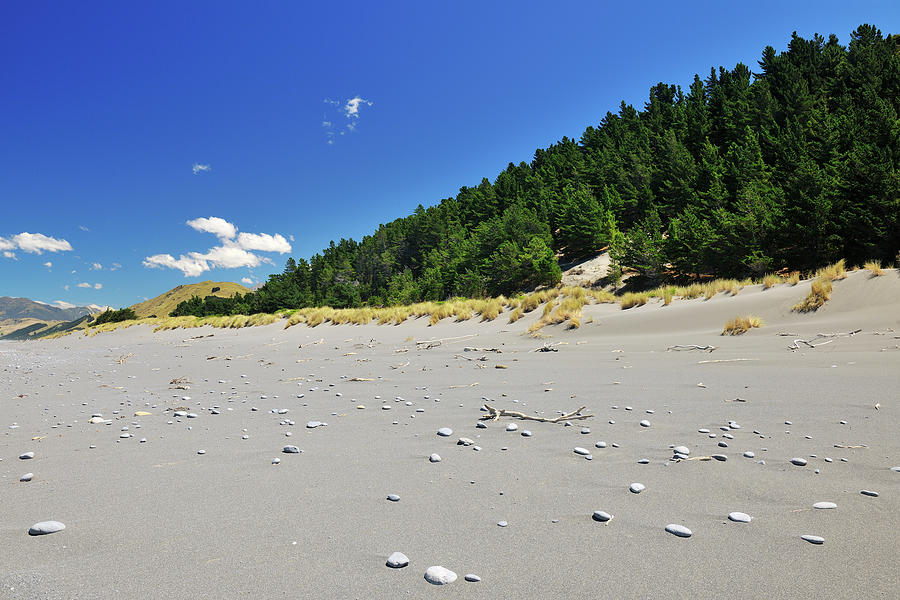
(155, 519)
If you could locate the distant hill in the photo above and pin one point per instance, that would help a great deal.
(23, 308)
(165, 303)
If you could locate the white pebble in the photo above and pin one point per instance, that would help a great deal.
(637, 488)
(438, 575)
(739, 517)
(679, 530)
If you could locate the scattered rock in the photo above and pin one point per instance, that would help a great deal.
(393, 497)
(435, 458)
(679, 530)
(27, 477)
(291, 450)
(46, 527)
(637, 488)
(824, 505)
(645, 423)
(739, 517)
(512, 427)
(800, 462)
(581, 451)
(681, 450)
(397, 560)
(445, 432)
(869, 493)
(502, 524)
(813, 539)
(601, 516)
(438, 575)
(26, 456)
(464, 441)
(472, 577)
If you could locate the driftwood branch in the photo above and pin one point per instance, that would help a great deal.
(829, 337)
(428, 344)
(494, 414)
(691, 347)
(548, 347)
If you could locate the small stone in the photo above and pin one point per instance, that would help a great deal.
(645, 423)
(679, 530)
(201, 451)
(739, 517)
(480, 425)
(26, 456)
(643, 461)
(800, 462)
(291, 450)
(438, 575)
(722, 445)
(46, 527)
(397, 560)
(445, 432)
(276, 461)
(601, 516)
(581, 451)
(393, 497)
(464, 441)
(895, 469)
(502, 524)
(525, 433)
(681, 450)
(512, 427)
(749, 454)
(703, 430)
(600, 445)
(472, 577)
(720, 457)
(824, 505)
(313, 424)
(869, 493)
(435, 458)
(27, 477)
(637, 488)
(585, 430)
(813, 539)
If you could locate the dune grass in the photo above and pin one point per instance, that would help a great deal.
(875, 267)
(819, 294)
(742, 324)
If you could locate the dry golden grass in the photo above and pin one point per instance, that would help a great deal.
(833, 272)
(875, 267)
(632, 299)
(819, 294)
(667, 295)
(516, 314)
(793, 278)
(771, 280)
(740, 325)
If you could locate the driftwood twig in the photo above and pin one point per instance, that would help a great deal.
(494, 414)
(829, 337)
(691, 347)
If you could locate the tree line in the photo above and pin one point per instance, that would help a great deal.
(791, 166)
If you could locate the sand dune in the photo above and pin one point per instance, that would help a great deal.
(156, 519)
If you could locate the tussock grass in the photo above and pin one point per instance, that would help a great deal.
(740, 325)
(668, 294)
(875, 267)
(793, 278)
(833, 272)
(516, 314)
(632, 299)
(771, 280)
(819, 294)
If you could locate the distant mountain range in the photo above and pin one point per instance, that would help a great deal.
(23, 308)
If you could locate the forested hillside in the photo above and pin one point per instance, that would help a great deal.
(792, 164)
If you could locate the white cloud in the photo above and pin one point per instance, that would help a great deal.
(327, 124)
(62, 304)
(189, 265)
(9, 254)
(38, 242)
(98, 286)
(66, 287)
(84, 284)
(198, 168)
(6, 244)
(246, 281)
(83, 228)
(48, 264)
(232, 253)
(96, 267)
(115, 266)
(351, 109)
(215, 225)
(264, 242)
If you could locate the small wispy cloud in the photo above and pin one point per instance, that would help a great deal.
(9, 254)
(96, 267)
(115, 267)
(84, 284)
(48, 264)
(67, 287)
(198, 168)
(344, 117)
(83, 228)
(98, 286)
(246, 281)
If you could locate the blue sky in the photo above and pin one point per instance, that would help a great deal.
(145, 145)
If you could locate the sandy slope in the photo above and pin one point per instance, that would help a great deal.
(155, 519)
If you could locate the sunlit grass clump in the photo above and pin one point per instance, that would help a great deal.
(740, 325)
(875, 267)
(819, 294)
